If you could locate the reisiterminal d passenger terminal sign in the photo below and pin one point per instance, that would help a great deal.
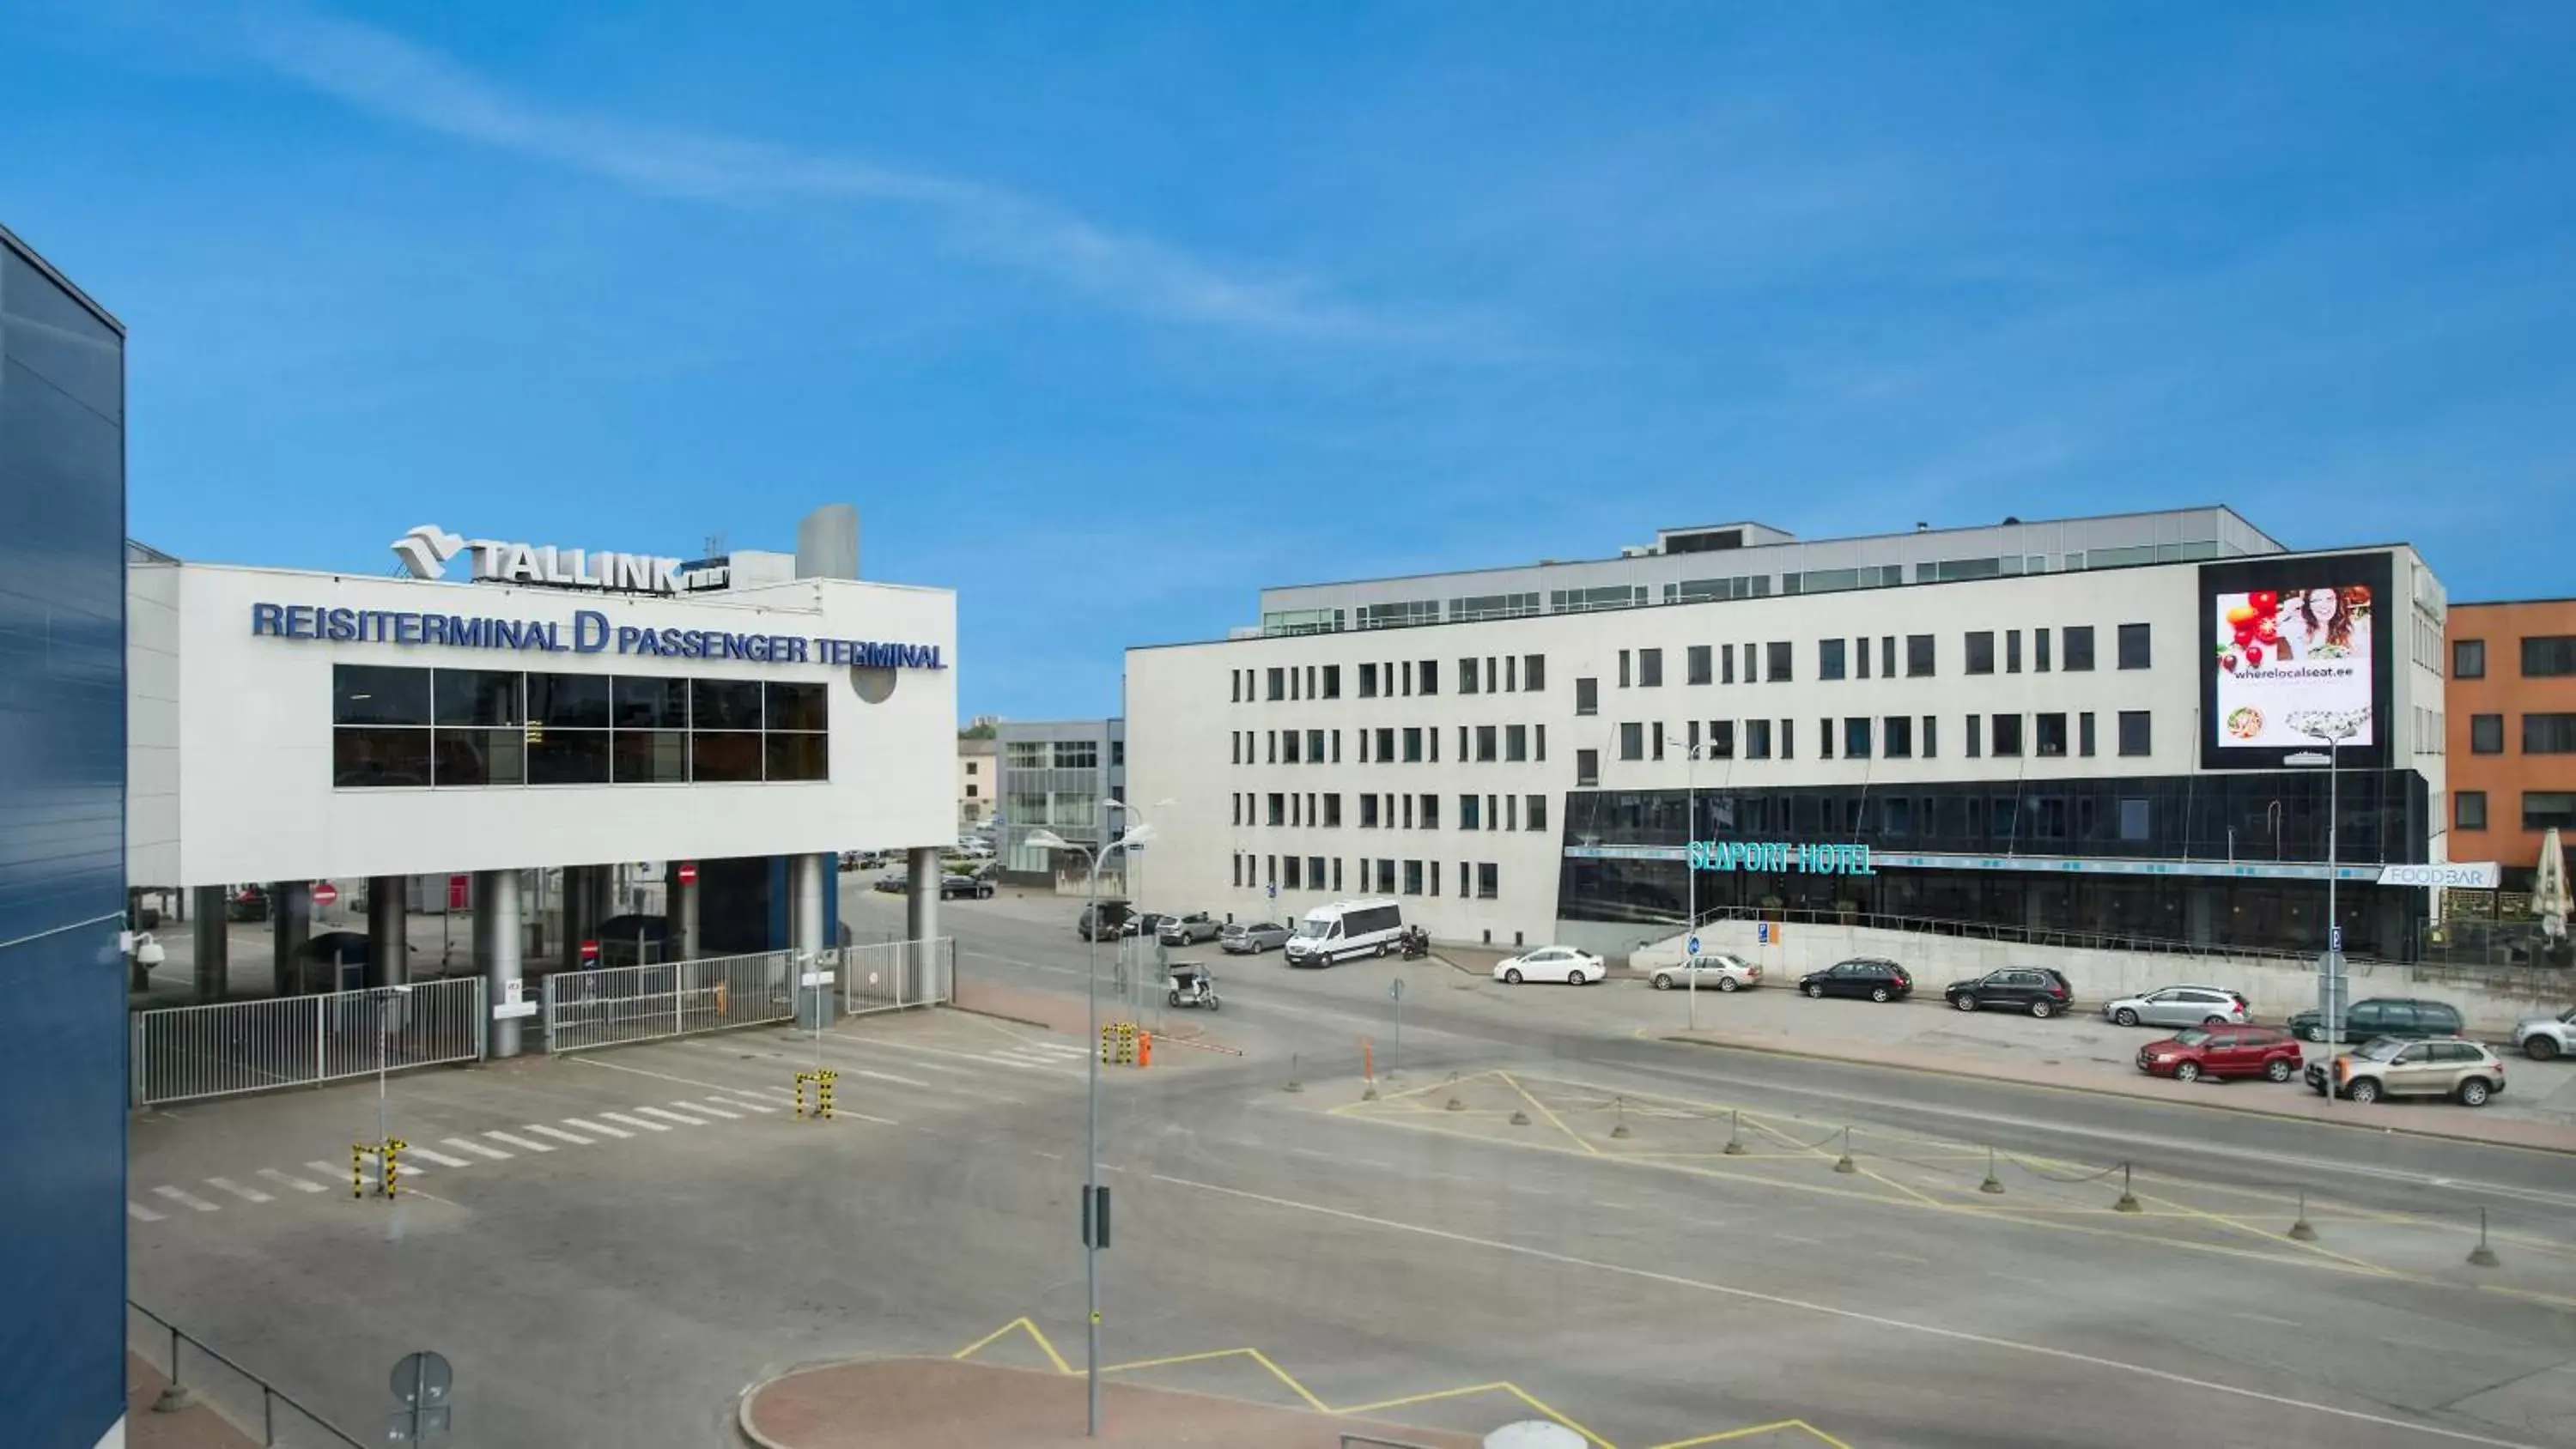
(590, 633)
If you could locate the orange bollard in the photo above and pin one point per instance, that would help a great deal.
(1368, 1060)
(1144, 1048)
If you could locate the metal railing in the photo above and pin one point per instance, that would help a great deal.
(298, 1428)
(587, 1009)
(188, 1053)
(2007, 934)
(893, 975)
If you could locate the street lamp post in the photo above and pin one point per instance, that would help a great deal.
(2332, 731)
(1049, 840)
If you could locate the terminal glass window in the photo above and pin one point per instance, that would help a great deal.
(2079, 646)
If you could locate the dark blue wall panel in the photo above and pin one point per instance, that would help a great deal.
(62, 863)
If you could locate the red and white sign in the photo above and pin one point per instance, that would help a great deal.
(459, 888)
(324, 893)
(688, 872)
(590, 953)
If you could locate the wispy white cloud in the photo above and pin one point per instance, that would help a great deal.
(380, 73)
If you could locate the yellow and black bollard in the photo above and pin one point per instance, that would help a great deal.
(393, 1164)
(823, 1080)
(358, 1169)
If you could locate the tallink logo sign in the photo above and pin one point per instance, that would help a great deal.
(425, 552)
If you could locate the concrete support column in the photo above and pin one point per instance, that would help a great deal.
(583, 888)
(806, 875)
(921, 920)
(291, 916)
(214, 946)
(497, 937)
(388, 942)
(684, 914)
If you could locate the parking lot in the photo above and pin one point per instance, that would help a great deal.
(612, 1247)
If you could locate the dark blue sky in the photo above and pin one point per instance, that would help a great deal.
(1105, 326)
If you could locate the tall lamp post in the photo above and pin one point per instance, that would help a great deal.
(1048, 840)
(2332, 731)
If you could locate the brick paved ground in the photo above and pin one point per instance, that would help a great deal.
(197, 1427)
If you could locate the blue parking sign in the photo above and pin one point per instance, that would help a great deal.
(1274, 890)
(1762, 933)
(1691, 945)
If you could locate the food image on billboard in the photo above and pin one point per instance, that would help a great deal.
(2294, 665)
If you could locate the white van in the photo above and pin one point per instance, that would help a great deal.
(1345, 929)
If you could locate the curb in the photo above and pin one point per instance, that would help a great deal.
(1964, 1074)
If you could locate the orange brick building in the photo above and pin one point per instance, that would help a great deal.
(2511, 698)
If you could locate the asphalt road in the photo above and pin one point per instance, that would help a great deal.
(1573, 1236)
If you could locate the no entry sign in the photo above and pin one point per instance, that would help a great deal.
(688, 872)
(324, 893)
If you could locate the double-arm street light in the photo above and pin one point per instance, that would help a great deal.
(2331, 730)
(1134, 835)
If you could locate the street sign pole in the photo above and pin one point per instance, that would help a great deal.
(1395, 1043)
(1690, 988)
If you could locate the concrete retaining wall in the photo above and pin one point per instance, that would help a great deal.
(2489, 1002)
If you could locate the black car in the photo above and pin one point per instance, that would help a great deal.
(953, 885)
(1874, 977)
(2384, 1016)
(1113, 922)
(2038, 990)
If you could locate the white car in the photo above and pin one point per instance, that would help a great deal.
(1552, 963)
(1719, 971)
(2180, 1006)
(2544, 1037)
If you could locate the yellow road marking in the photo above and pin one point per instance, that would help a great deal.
(1553, 1120)
(1045, 1347)
(1750, 1430)
(1497, 1387)
(1254, 1354)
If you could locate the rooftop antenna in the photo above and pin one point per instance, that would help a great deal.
(715, 545)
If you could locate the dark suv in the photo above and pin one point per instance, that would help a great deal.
(2036, 989)
(1874, 977)
(2384, 1016)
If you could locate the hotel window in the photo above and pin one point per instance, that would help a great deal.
(1721, 739)
(1511, 672)
(1976, 735)
(1931, 737)
(1856, 738)
(1368, 681)
(1824, 739)
(1788, 741)
(1650, 668)
(2136, 734)
(1516, 742)
(1533, 672)
(1981, 652)
(1587, 696)
(2006, 742)
(1408, 812)
(1386, 877)
(2048, 735)
(1368, 811)
(2039, 651)
(1534, 812)
(2548, 809)
(1726, 663)
(2469, 659)
(2084, 733)
(1278, 678)
(1288, 747)
(2079, 647)
(2548, 656)
(2486, 734)
(1332, 810)
(1488, 880)
(1467, 676)
(1632, 741)
(2549, 734)
(1314, 747)
(1337, 872)
(1623, 669)
(1757, 739)
(1896, 736)
(1698, 664)
(1485, 751)
(1413, 877)
(1413, 744)
(1918, 656)
(1829, 658)
(2469, 810)
(1430, 812)
(1469, 816)
(1429, 676)
(2135, 652)
(1278, 808)
(1886, 656)
(1293, 877)
(2012, 651)
(1776, 666)
(1587, 767)
(1860, 658)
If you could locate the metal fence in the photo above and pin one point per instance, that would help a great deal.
(893, 975)
(186, 1053)
(586, 1009)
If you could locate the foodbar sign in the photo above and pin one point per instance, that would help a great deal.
(1774, 857)
(425, 551)
(589, 633)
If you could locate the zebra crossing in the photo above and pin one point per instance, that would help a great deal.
(946, 1075)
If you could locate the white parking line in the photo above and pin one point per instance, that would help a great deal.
(746, 1104)
(560, 1135)
(287, 1180)
(441, 1158)
(246, 1194)
(142, 1214)
(890, 1077)
(586, 1125)
(186, 1200)
(468, 1144)
(327, 1170)
(636, 1122)
(521, 1143)
(711, 1109)
(683, 1118)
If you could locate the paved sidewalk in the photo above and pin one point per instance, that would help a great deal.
(2429, 1119)
(934, 1403)
(195, 1427)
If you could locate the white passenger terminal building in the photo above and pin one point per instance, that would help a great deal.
(2098, 726)
(536, 709)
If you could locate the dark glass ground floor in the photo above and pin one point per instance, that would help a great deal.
(2199, 910)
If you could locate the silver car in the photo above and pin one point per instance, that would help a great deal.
(1187, 930)
(1251, 938)
(1714, 972)
(2180, 1006)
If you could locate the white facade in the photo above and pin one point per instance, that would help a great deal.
(232, 733)
(1207, 725)
(979, 781)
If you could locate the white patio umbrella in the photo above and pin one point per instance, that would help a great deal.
(2549, 894)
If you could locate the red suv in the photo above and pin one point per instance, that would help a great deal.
(2222, 1051)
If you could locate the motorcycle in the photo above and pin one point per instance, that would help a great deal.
(1417, 944)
